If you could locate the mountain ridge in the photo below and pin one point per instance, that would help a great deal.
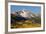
(24, 13)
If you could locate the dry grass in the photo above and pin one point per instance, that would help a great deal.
(26, 24)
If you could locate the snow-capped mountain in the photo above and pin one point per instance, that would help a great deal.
(24, 13)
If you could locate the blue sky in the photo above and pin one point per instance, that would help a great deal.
(34, 9)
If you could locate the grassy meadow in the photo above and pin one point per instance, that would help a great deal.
(26, 23)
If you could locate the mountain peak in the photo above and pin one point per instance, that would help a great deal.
(24, 13)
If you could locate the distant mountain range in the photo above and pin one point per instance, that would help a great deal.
(25, 14)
